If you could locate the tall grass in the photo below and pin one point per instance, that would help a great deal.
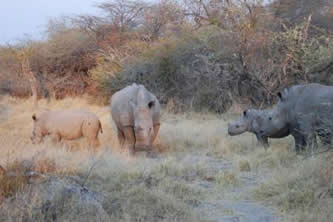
(66, 181)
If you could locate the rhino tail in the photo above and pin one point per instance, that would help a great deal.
(100, 126)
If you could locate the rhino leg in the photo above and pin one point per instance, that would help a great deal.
(55, 137)
(91, 134)
(156, 129)
(94, 143)
(129, 139)
(299, 142)
(263, 141)
(121, 137)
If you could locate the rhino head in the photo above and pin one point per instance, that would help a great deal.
(275, 123)
(241, 125)
(36, 136)
(143, 121)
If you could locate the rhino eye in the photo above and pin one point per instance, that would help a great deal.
(270, 118)
(237, 126)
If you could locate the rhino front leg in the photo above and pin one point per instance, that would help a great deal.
(129, 139)
(156, 129)
(121, 137)
(263, 141)
(299, 142)
(55, 137)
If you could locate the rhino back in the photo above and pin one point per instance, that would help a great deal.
(67, 123)
(316, 102)
(308, 104)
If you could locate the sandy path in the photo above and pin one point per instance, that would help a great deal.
(234, 203)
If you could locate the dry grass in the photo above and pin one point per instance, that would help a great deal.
(150, 189)
(303, 189)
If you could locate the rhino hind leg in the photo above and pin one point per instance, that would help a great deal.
(90, 130)
(129, 142)
(94, 143)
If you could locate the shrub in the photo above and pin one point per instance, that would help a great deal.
(195, 70)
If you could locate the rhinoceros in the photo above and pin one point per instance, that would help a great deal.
(252, 121)
(66, 124)
(305, 111)
(136, 114)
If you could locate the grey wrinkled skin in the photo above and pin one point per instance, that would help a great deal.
(252, 121)
(136, 113)
(306, 111)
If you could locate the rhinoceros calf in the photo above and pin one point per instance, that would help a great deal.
(252, 121)
(68, 124)
(136, 113)
(306, 111)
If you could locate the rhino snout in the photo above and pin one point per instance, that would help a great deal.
(233, 129)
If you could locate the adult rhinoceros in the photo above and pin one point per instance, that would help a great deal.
(136, 113)
(305, 111)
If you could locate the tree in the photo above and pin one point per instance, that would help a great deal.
(123, 14)
(294, 12)
(24, 56)
(159, 16)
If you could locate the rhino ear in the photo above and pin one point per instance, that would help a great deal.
(279, 94)
(151, 104)
(34, 118)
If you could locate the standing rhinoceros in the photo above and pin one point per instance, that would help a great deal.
(251, 121)
(306, 111)
(67, 124)
(136, 113)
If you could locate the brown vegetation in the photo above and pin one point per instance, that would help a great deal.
(199, 54)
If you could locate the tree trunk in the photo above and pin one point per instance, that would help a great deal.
(32, 78)
(34, 89)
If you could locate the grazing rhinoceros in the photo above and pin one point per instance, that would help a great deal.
(304, 110)
(67, 124)
(251, 121)
(136, 113)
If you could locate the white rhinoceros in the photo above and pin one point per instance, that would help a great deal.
(136, 113)
(252, 121)
(306, 111)
(66, 124)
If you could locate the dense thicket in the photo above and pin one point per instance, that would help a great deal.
(196, 54)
